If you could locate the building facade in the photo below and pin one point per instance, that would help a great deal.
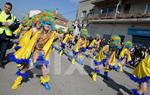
(84, 9)
(128, 18)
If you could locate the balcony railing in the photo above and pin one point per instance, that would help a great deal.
(112, 16)
(101, 16)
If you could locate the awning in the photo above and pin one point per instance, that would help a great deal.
(139, 32)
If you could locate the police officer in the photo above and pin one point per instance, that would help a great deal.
(7, 20)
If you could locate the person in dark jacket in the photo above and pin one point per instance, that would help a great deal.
(8, 24)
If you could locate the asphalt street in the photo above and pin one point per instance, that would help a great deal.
(68, 79)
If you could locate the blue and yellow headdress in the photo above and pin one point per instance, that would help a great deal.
(45, 17)
(128, 44)
(115, 42)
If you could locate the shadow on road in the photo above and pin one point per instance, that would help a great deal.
(109, 82)
(114, 85)
(88, 69)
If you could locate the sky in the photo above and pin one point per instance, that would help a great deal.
(67, 8)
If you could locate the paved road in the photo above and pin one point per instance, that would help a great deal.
(68, 79)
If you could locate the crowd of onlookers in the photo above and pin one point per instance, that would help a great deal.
(139, 52)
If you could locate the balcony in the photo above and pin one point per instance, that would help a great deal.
(124, 18)
(112, 16)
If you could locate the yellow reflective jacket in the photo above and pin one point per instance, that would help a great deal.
(3, 18)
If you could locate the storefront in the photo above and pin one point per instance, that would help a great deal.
(140, 36)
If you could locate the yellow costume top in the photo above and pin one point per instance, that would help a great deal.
(66, 38)
(125, 52)
(97, 43)
(83, 43)
(92, 43)
(77, 45)
(47, 46)
(25, 38)
(25, 51)
(44, 45)
(101, 54)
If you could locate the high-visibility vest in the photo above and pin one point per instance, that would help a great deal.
(3, 18)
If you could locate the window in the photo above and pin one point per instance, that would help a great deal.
(92, 11)
(106, 10)
(110, 9)
(84, 13)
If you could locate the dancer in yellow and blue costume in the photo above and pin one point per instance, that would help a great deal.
(35, 53)
(125, 55)
(75, 50)
(82, 50)
(38, 58)
(92, 44)
(111, 63)
(91, 47)
(71, 41)
(97, 46)
(99, 61)
(64, 42)
(141, 75)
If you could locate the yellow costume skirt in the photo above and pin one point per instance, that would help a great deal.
(142, 72)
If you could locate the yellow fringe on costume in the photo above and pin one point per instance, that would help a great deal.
(48, 54)
(47, 46)
(101, 55)
(25, 39)
(112, 59)
(143, 68)
(31, 45)
(25, 51)
(124, 52)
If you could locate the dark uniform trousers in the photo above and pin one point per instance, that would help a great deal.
(4, 44)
